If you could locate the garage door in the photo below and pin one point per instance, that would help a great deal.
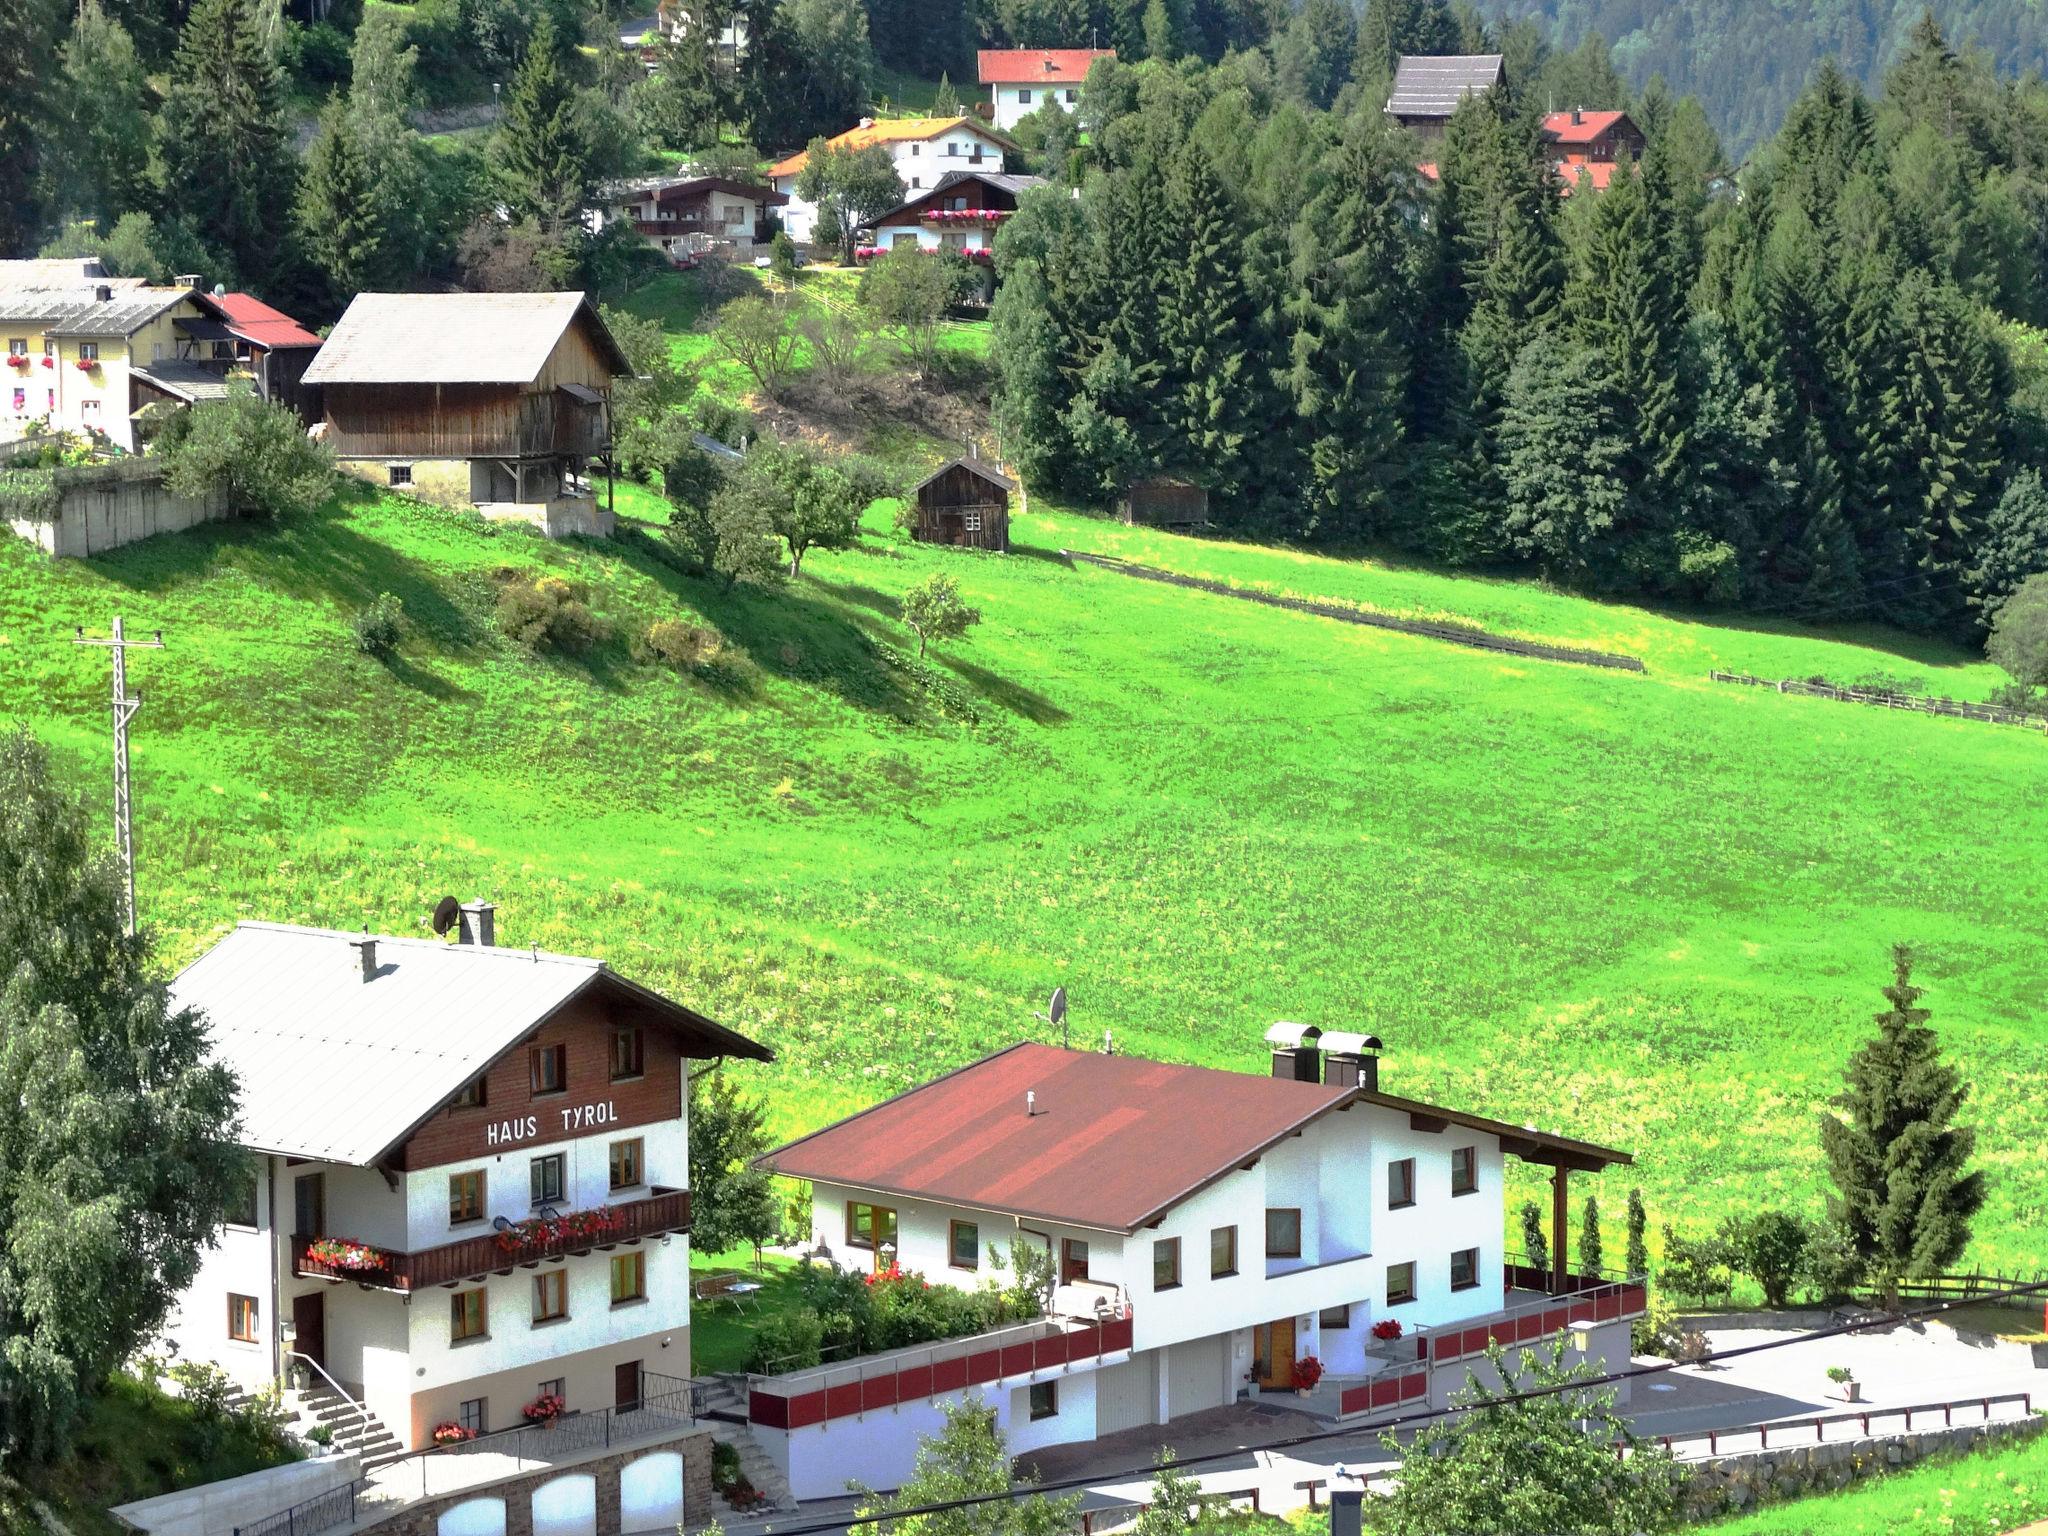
(1194, 1375)
(1127, 1395)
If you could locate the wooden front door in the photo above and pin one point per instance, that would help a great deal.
(626, 1386)
(1273, 1344)
(309, 1326)
(1073, 1260)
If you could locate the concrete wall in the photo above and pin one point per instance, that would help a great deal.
(214, 1509)
(700, 1503)
(1731, 1483)
(104, 506)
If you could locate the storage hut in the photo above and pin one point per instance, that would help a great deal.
(1163, 501)
(966, 502)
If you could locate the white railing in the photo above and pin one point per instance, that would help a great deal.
(363, 1419)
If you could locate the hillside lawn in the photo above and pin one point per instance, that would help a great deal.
(1988, 1493)
(1650, 910)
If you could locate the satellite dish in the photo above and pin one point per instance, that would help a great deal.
(1056, 1010)
(446, 911)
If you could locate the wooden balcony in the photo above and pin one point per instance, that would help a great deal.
(499, 1253)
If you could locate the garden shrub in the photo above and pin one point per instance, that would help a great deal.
(549, 614)
(687, 647)
(377, 625)
(788, 1341)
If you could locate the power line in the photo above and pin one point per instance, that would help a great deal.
(124, 711)
(1402, 1421)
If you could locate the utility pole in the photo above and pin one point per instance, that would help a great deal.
(124, 711)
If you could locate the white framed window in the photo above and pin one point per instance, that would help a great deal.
(89, 410)
(971, 521)
(89, 350)
(1072, 96)
(17, 346)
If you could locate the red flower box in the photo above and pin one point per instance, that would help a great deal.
(450, 1433)
(562, 1231)
(86, 364)
(49, 361)
(1387, 1328)
(17, 359)
(341, 1253)
(548, 1406)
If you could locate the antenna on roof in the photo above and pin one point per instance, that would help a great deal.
(1056, 1013)
(447, 911)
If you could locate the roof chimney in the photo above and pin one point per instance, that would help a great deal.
(479, 924)
(1578, 116)
(1294, 1051)
(1351, 1060)
(189, 280)
(102, 293)
(867, 122)
(367, 948)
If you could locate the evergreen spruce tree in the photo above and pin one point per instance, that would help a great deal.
(1906, 1194)
(338, 207)
(1313, 57)
(1352, 293)
(684, 103)
(1208, 329)
(946, 100)
(97, 167)
(31, 28)
(543, 149)
(1829, 136)
(1383, 32)
(223, 140)
(1564, 459)
(1590, 1256)
(1535, 1247)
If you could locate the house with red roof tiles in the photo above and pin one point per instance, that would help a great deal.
(1585, 147)
(1206, 1236)
(924, 150)
(1021, 80)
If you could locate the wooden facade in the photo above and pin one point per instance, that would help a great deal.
(1163, 501)
(965, 503)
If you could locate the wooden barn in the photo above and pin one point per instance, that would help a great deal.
(965, 502)
(1163, 501)
(499, 401)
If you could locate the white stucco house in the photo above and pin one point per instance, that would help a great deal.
(468, 1173)
(924, 149)
(1022, 80)
(962, 213)
(1210, 1229)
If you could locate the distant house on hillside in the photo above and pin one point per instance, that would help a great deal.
(962, 213)
(682, 215)
(494, 400)
(924, 149)
(1021, 80)
(1585, 147)
(965, 502)
(1429, 86)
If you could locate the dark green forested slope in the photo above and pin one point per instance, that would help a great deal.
(1746, 60)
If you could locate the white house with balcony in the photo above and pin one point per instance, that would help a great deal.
(962, 213)
(1210, 1230)
(468, 1172)
(923, 150)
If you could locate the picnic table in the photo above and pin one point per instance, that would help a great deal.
(735, 1288)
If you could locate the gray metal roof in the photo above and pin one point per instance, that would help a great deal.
(453, 338)
(1432, 84)
(77, 311)
(980, 467)
(334, 1067)
(60, 272)
(187, 381)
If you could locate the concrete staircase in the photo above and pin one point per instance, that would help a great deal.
(354, 1428)
(722, 1408)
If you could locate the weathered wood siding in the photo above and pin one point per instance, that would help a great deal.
(1163, 503)
(944, 505)
(466, 421)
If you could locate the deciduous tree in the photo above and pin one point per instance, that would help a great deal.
(117, 1159)
(731, 1201)
(762, 338)
(934, 610)
(858, 185)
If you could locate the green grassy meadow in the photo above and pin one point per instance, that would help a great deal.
(1985, 1494)
(1647, 909)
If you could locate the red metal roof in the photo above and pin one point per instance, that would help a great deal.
(1038, 66)
(261, 326)
(1116, 1140)
(1598, 174)
(1559, 126)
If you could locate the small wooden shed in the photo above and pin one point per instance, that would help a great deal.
(965, 502)
(1163, 501)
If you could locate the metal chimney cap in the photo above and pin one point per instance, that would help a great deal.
(1288, 1035)
(1347, 1043)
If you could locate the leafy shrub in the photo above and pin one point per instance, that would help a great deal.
(27, 496)
(377, 625)
(321, 1434)
(1696, 1268)
(1656, 1331)
(548, 614)
(788, 1341)
(1770, 1248)
(688, 647)
(725, 1465)
(1693, 1347)
(254, 451)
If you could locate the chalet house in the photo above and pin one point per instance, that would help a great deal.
(467, 1178)
(1208, 1230)
(498, 401)
(924, 150)
(964, 502)
(1428, 87)
(1021, 80)
(680, 216)
(1585, 147)
(85, 357)
(962, 213)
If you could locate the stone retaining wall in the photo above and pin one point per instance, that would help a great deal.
(701, 1503)
(104, 506)
(1737, 1482)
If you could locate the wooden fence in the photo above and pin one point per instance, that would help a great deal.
(1428, 629)
(1959, 709)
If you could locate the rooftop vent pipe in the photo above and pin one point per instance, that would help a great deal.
(479, 924)
(367, 948)
(1030, 1102)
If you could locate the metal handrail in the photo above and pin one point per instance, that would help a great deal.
(1862, 1417)
(363, 1417)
